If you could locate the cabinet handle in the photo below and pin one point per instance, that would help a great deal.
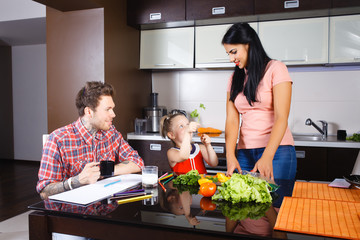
(221, 59)
(218, 10)
(165, 64)
(291, 4)
(218, 149)
(155, 16)
(300, 154)
(155, 147)
(294, 60)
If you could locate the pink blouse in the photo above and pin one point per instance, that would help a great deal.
(257, 120)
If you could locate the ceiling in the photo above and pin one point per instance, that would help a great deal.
(23, 32)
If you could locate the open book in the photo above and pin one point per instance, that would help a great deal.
(100, 190)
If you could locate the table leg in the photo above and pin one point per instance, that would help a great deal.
(38, 227)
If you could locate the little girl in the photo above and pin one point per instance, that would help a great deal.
(186, 156)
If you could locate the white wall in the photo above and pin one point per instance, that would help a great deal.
(29, 100)
(20, 9)
(330, 94)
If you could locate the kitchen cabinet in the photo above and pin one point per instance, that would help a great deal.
(345, 3)
(154, 11)
(167, 48)
(344, 39)
(324, 164)
(207, 9)
(281, 6)
(295, 42)
(209, 52)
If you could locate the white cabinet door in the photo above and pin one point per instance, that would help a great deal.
(300, 41)
(209, 52)
(167, 48)
(344, 39)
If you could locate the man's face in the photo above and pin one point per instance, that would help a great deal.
(104, 114)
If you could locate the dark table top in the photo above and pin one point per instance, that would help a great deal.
(184, 211)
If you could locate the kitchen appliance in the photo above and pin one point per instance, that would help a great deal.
(153, 114)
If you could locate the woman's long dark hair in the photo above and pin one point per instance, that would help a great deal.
(242, 33)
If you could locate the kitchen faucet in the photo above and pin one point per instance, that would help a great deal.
(323, 131)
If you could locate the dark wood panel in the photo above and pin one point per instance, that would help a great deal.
(277, 6)
(75, 55)
(202, 9)
(138, 11)
(313, 166)
(17, 186)
(69, 5)
(341, 162)
(345, 3)
(6, 105)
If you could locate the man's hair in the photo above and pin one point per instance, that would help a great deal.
(90, 95)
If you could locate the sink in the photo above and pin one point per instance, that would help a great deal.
(307, 138)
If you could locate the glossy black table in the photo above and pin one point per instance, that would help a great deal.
(169, 215)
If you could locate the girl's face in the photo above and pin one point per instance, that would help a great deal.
(238, 54)
(178, 128)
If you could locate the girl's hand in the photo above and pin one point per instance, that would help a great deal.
(264, 167)
(205, 139)
(232, 164)
(193, 126)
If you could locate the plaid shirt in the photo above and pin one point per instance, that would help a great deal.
(70, 148)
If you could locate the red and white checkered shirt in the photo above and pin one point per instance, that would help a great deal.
(70, 148)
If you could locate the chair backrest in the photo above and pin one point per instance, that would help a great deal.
(44, 138)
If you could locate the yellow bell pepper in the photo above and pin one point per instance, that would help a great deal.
(203, 180)
(222, 177)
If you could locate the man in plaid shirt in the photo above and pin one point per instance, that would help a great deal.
(71, 154)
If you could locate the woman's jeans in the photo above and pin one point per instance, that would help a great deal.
(284, 162)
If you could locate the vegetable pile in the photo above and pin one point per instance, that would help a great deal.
(190, 178)
(355, 137)
(244, 188)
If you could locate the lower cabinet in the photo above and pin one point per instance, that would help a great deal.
(324, 164)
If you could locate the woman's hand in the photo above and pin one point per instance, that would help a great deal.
(232, 164)
(265, 167)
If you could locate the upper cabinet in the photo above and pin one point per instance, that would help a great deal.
(207, 9)
(344, 39)
(345, 3)
(209, 52)
(167, 48)
(281, 6)
(295, 42)
(154, 11)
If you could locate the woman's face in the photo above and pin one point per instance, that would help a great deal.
(238, 54)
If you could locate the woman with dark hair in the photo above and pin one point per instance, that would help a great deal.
(258, 102)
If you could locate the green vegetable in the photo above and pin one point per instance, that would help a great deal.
(241, 211)
(190, 178)
(244, 188)
(196, 114)
(355, 137)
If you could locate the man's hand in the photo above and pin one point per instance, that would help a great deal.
(90, 174)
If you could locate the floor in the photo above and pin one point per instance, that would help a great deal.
(17, 192)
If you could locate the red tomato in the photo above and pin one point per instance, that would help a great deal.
(207, 189)
(207, 204)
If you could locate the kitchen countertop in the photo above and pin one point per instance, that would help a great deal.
(331, 141)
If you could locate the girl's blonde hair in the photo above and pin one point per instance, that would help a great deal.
(165, 123)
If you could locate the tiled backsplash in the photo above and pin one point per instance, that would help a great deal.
(330, 94)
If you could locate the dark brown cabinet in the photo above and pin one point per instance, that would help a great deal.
(154, 11)
(207, 9)
(324, 164)
(345, 3)
(281, 6)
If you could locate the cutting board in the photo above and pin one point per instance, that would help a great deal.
(323, 191)
(319, 217)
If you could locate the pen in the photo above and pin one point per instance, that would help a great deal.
(134, 199)
(129, 192)
(108, 184)
(127, 196)
(170, 175)
(162, 186)
(163, 175)
(168, 180)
